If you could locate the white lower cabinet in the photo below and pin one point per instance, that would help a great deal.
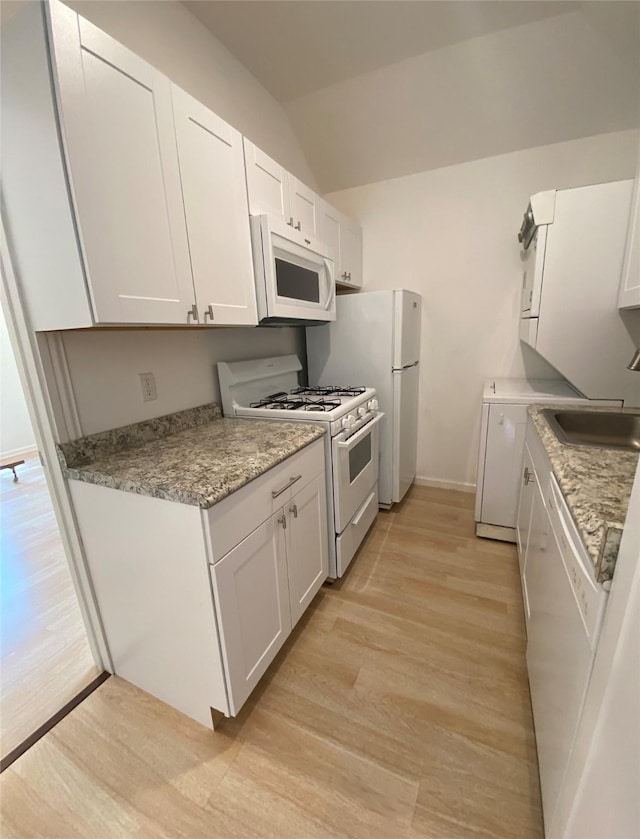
(265, 583)
(196, 603)
(307, 548)
(252, 601)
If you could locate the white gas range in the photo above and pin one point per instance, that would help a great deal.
(268, 388)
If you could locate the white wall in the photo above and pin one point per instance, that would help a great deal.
(16, 433)
(168, 36)
(450, 234)
(104, 367)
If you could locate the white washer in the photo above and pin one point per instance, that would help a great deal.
(502, 433)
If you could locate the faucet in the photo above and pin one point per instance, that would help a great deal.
(634, 364)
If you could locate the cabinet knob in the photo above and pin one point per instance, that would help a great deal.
(208, 313)
(294, 510)
(283, 521)
(192, 313)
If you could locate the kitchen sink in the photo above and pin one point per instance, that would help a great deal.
(605, 429)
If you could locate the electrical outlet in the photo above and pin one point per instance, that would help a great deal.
(148, 387)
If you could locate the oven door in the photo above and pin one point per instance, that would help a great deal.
(297, 271)
(355, 470)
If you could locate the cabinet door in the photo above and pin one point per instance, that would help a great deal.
(252, 603)
(119, 138)
(307, 548)
(505, 444)
(630, 285)
(267, 183)
(304, 205)
(535, 559)
(525, 503)
(351, 252)
(532, 273)
(329, 232)
(214, 191)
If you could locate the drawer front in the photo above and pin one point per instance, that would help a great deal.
(236, 516)
(349, 541)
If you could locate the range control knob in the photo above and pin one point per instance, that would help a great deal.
(348, 422)
(373, 405)
(362, 411)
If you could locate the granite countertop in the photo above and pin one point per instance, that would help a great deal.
(596, 484)
(193, 457)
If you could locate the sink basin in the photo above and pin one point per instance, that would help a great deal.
(607, 430)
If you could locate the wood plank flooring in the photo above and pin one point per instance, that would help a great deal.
(399, 708)
(45, 659)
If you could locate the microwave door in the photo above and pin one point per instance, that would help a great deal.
(299, 282)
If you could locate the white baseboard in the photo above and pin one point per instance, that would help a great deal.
(24, 453)
(438, 484)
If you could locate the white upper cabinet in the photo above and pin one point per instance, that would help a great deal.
(303, 204)
(275, 191)
(629, 297)
(214, 192)
(267, 183)
(344, 237)
(119, 139)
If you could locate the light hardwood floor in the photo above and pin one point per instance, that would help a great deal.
(398, 708)
(45, 658)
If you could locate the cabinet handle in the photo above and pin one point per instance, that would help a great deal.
(345, 276)
(276, 492)
(283, 521)
(290, 222)
(208, 313)
(528, 476)
(349, 276)
(192, 313)
(298, 226)
(294, 510)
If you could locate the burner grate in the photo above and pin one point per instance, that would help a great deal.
(284, 402)
(329, 390)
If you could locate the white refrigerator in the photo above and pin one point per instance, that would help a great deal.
(375, 341)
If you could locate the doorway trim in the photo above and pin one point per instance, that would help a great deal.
(31, 371)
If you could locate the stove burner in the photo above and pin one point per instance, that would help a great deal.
(329, 390)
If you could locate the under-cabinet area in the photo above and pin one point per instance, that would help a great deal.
(200, 574)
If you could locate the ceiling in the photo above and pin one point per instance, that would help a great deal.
(296, 48)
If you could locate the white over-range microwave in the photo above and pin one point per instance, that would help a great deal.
(294, 274)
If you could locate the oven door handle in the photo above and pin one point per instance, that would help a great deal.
(362, 432)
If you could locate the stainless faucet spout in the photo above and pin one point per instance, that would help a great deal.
(634, 364)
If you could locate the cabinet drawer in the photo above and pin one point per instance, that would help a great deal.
(349, 541)
(230, 521)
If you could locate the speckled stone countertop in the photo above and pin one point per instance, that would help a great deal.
(193, 457)
(596, 484)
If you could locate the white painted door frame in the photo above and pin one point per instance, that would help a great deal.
(30, 369)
